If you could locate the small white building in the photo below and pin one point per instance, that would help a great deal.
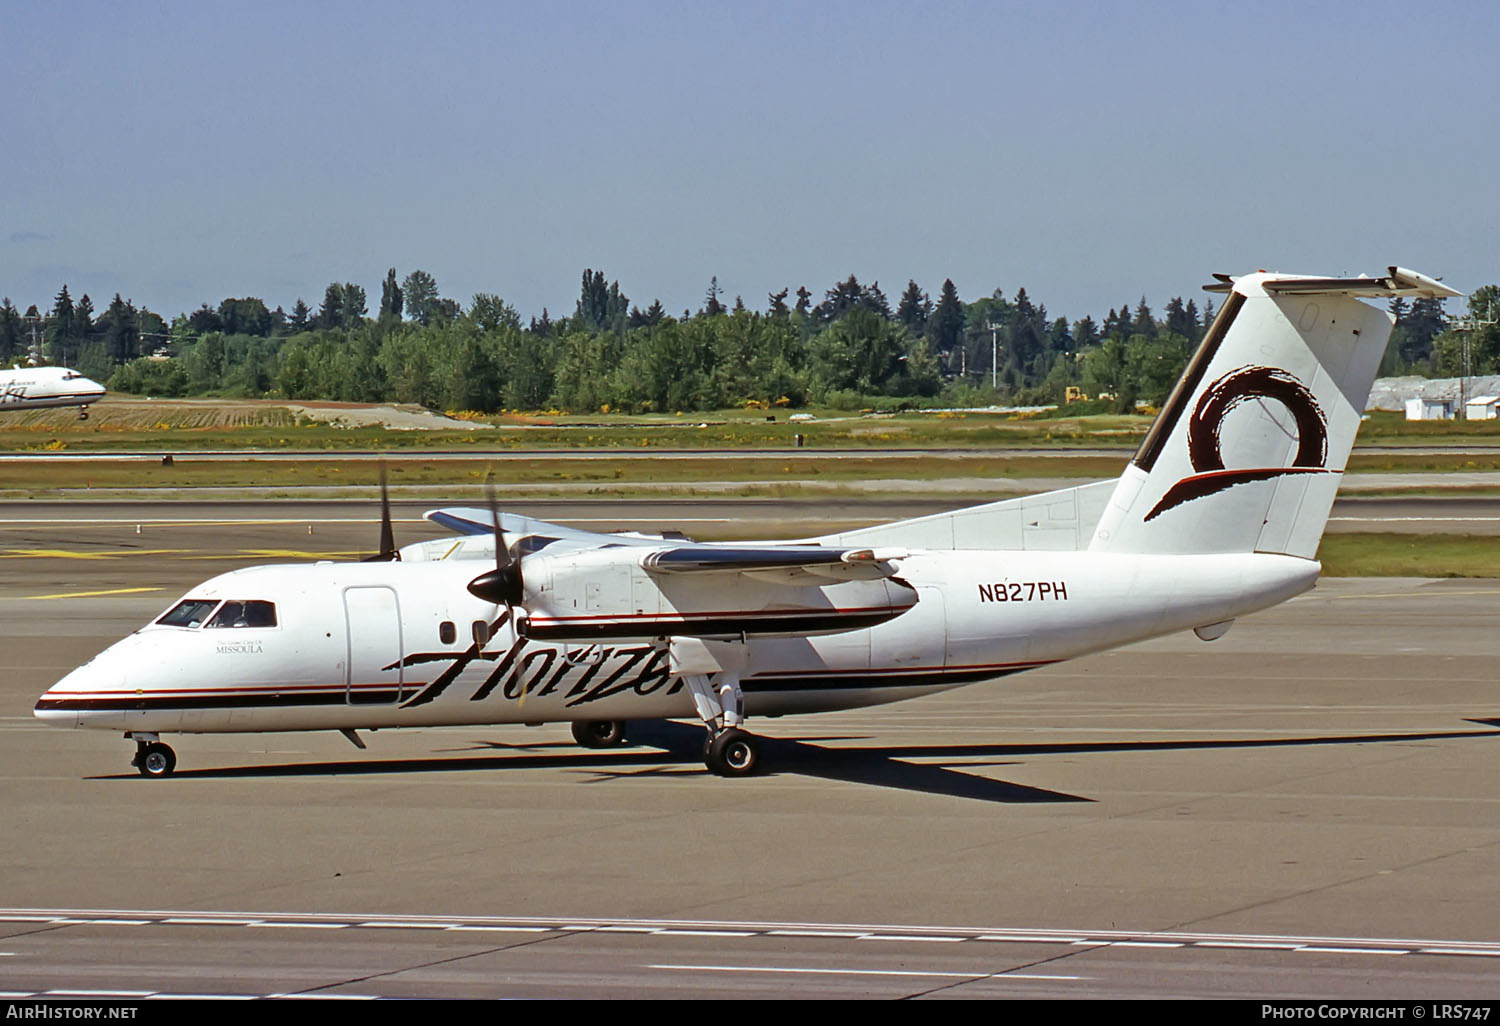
(1482, 407)
(1429, 409)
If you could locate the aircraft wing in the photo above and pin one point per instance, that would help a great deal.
(476, 521)
(788, 564)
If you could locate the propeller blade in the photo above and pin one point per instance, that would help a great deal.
(502, 553)
(388, 551)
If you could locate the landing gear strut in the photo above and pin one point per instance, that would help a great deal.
(152, 758)
(599, 733)
(730, 750)
(711, 670)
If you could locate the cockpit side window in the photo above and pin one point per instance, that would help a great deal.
(188, 613)
(248, 613)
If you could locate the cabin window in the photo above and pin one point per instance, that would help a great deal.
(447, 632)
(247, 613)
(188, 613)
(481, 632)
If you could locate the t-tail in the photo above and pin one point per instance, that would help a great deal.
(1248, 452)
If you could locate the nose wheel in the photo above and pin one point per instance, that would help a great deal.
(154, 759)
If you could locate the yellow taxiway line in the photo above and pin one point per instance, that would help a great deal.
(92, 594)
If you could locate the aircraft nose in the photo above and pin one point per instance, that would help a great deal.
(55, 709)
(64, 703)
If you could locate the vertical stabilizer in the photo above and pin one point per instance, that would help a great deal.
(1248, 452)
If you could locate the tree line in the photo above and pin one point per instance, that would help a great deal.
(851, 348)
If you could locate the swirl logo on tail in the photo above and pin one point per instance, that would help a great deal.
(1204, 450)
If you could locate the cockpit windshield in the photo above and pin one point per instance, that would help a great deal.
(234, 613)
(188, 613)
(245, 614)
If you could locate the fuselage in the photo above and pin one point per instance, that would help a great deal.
(365, 645)
(34, 387)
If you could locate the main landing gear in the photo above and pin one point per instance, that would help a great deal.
(729, 750)
(732, 753)
(711, 670)
(152, 758)
(599, 733)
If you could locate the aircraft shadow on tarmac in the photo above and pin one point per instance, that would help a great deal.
(876, 765)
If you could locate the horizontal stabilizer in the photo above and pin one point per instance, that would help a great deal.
(1399, 282)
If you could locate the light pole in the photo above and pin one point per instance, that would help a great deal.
(994, 356)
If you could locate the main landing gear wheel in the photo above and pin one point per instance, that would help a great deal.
(733, 753)
(155, 760)
(599, 733)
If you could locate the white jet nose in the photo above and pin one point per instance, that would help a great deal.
(64, 703)
(54, 708)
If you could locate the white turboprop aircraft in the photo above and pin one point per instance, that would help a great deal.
(1219, 514)
(29, 388)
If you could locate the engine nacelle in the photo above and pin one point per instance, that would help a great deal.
(608, 594)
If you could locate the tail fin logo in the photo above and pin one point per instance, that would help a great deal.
(1206, 425)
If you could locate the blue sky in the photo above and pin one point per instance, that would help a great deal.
(179, 153)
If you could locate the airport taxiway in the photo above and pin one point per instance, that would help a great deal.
(1308, 807)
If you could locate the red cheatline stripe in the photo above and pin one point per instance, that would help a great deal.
(247, 689)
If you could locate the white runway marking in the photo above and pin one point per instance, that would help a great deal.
(1413, 520)
(1083, 939)
(818, 972)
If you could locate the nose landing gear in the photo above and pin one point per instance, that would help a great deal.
(152, 758)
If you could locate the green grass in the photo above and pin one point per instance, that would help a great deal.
(779, 475)
(124, 423)
(1381, 554)
(131, 424)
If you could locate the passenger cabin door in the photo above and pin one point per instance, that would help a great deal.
(373, 673)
